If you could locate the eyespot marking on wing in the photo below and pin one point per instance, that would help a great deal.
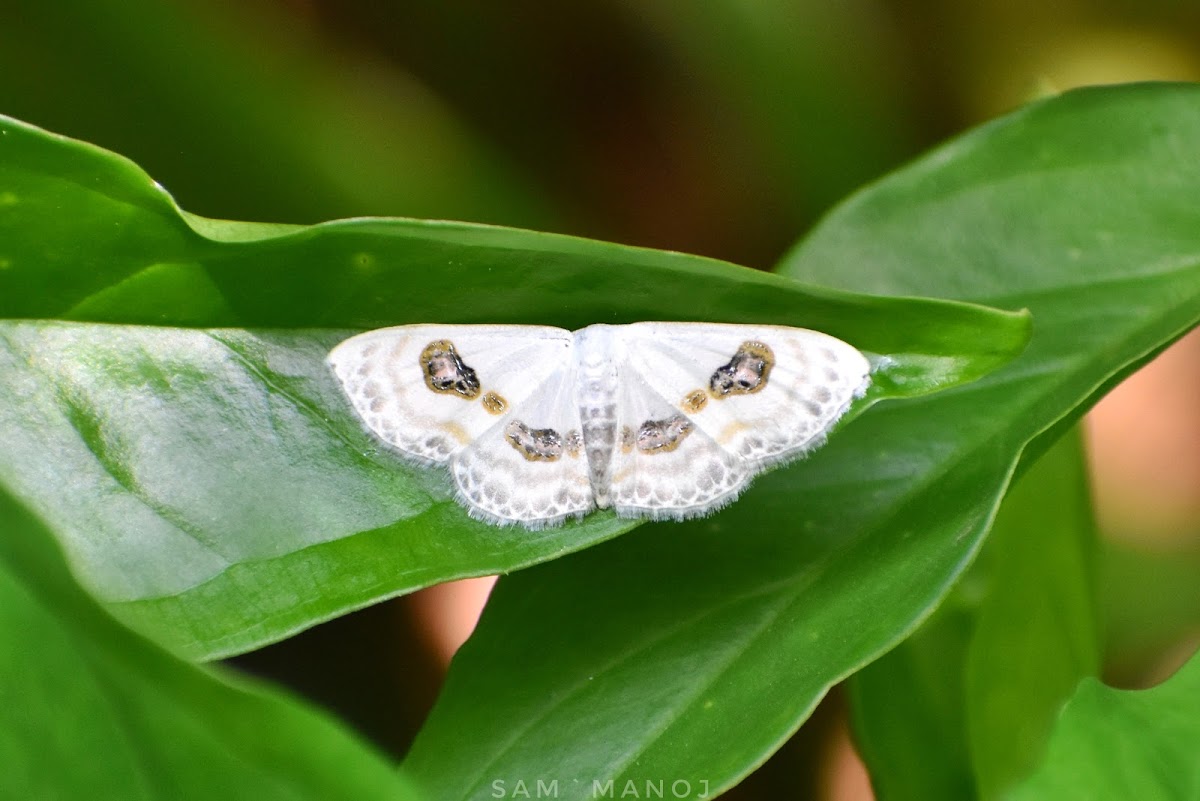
(494, 403)
(663, 436)
(535, 444)
(694, 401)
(746, 372)
(445, 371)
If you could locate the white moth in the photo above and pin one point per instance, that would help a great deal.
(539, 424)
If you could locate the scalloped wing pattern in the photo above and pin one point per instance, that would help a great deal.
(537, 425)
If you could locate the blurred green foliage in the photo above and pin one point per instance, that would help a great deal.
(964, 707)
(1122, 743)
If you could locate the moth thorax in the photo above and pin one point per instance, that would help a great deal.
(598, 406)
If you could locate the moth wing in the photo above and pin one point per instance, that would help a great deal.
(530, 467)
(664, 466)
(763, 393)
(386, 375)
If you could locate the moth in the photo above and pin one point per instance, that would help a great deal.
(539, 424)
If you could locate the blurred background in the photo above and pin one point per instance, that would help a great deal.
(724, 128)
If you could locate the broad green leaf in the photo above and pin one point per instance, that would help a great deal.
(90, 710)
(908, 709)
(210, 484)
(1036, 631)
(692, 651)
(1123, 744)
(963, 708)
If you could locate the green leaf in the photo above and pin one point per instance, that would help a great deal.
(908, 709)
(1150, 604)
(211, 485)
(91, 710)
(1037, 631)
(1124, 744)
(963, 708)
(690, 652)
